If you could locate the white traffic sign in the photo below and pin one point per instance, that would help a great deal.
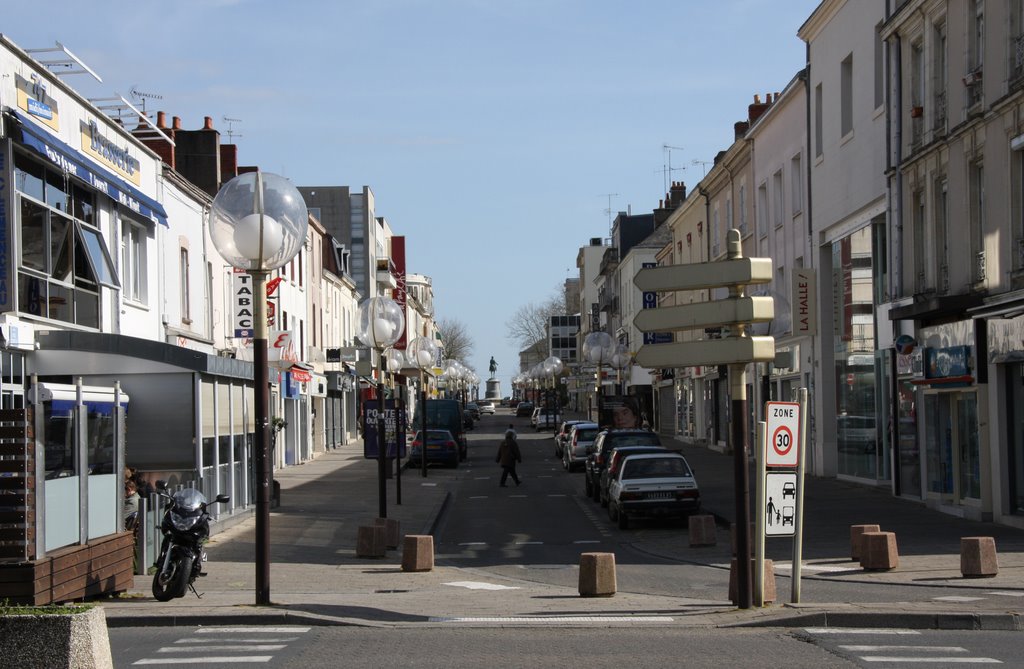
(780, 491)
(783, 447)
(696, 276)
(727, 311)
(707, 352)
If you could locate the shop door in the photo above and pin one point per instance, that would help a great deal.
(954, 461)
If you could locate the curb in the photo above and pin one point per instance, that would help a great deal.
(1003, 622)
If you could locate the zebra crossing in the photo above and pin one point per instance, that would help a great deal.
(225, 645)
(888, 649)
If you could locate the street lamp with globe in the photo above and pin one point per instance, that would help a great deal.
(381, 323)
(258, 223)
(422, 352)
(597, 350)
(553, 368)
(396, 360)
(620, 360)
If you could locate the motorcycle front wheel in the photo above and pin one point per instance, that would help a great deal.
(177, 584)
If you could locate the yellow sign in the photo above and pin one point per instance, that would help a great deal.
(109, 154)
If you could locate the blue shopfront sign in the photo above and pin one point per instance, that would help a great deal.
(951, 364)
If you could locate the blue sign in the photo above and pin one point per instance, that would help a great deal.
(394, 438)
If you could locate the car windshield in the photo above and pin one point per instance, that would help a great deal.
(653, 468)
(587, 435)
(637, 440)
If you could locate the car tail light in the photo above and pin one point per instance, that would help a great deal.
(626, 495)
(415, 443)
(450, 444)
(687, 494)
(575, 440)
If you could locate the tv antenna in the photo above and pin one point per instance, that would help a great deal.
(667, 171)
(702, 163)
(609, 209)
(140, 98)
(231, 133)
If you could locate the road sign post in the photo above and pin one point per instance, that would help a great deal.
(736, 350)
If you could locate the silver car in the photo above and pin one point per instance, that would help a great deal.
(581, 437)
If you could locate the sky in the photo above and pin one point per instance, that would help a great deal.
(495, 135)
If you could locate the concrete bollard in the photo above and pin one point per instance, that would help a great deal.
(978, 557)
(878, 551)
(597, 575)
(702, 531)
(370, 541)
(392, 531)
(418, 552)
(855, 532)
(770, 592)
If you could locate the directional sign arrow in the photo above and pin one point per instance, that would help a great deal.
(708, 352)
(696, 276)
(706, 314)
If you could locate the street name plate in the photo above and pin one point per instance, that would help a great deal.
(707, 352)
(698, 315)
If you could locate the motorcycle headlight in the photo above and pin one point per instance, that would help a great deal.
(184, 523)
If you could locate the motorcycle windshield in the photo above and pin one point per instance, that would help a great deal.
(189, 501)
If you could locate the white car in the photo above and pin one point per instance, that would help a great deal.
(577, 444)
(487, 407)
(652, 484)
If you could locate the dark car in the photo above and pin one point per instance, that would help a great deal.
(474, 409)
(524, 409)
(445, 414)
(441, 447)
(597, 459)
(615, 458)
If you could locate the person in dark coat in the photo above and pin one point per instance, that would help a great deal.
(508, 456)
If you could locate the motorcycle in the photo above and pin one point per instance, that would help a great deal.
(186, 527)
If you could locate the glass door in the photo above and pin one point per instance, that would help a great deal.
(953, 450)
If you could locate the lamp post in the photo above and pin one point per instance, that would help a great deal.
(422, 351)
(258, 223)
(597, 350)
(552, 368)
(381, 323)
(396, 360)
(620, 360)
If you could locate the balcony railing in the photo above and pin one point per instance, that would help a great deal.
(1018, 56)
(979, 267)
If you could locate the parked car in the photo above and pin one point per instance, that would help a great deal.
(474, 410)
(441, 448)
(445, 414)
(597, 459)
(615, 458)
(562, 434)
(581, 438)
(542, 419)
(487, 407)
(653, 485)
(467, 419)
(524, 409)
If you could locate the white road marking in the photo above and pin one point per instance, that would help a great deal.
(276, 640)
(251, 630)
(241, 659)
(248, 648)
(483, 478)
(931, 660)
(529, 543)
(957, 598)
(478, 497)
(477, 585)
(587, 541)
(858, 630)
(556, 495)
(926, 649)
(474, 543)
(788, 566)
(547, 620)
(1005, 593)
(429, 485)
(517, 495)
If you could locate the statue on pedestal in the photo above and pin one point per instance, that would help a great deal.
(493, 367)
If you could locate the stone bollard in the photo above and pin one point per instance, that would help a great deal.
(418, 552)
(978, 557)
(770, 592)
(370, 541)
(392, 531)
(702, 531)
(855, 532)
(597, 575)
(878, 551)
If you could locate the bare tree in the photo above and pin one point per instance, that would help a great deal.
(529, 323)
(456, 343)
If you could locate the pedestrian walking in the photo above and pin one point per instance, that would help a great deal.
(511, 431)
(508, 456)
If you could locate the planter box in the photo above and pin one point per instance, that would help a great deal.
(74, 640)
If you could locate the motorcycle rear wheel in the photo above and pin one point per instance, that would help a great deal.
(177, 584)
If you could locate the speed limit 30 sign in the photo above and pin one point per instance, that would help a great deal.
(783, 448)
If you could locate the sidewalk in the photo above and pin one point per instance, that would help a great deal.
(317, 579)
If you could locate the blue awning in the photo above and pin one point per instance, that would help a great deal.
(71, 161)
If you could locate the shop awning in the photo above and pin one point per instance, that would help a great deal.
(71, 161)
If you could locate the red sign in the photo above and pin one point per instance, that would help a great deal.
(301, 375)
(272, 285)
(399, 294)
